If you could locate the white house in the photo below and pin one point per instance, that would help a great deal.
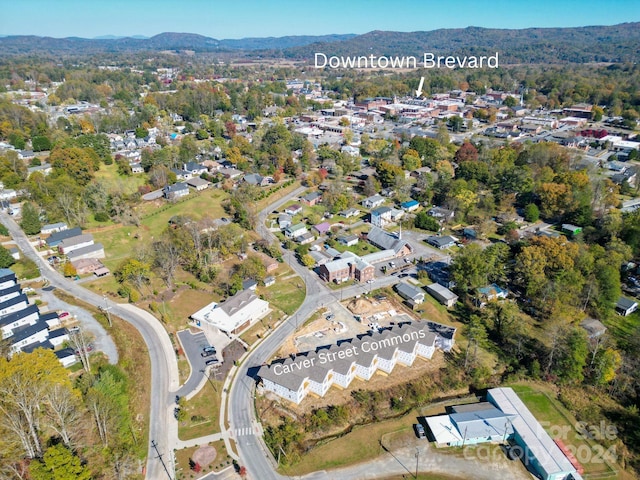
(68, 245)
(234, 314)
(53, 227)
(373, 201)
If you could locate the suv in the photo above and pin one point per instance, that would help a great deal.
(419, 430)
(211, 361)
(208, 353)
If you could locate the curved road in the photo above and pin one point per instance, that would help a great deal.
(252, 450)
(164, 369)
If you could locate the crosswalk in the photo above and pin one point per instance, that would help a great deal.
(244, 431)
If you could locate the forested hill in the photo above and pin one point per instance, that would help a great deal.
(617, 43)
(30, 44)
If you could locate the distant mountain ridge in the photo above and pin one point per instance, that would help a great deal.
(615, 43)
(30, 44)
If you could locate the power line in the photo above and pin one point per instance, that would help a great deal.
(159, 457)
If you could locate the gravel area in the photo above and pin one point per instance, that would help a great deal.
(102, 342)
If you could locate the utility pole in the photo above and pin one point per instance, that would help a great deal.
(159, 457)
(417, 458)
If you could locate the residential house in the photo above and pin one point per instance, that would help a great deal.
(373, 201)
(250, 284)
(410, 205)
(15, 253)
(350, 212)
(293, 209)
(68, 245)
(270, 280)
(175, 191)
(305, 238)
(84, 266)
(295, 231)
(412, 295)
(442, 242)
(198, 183)
(195, 169)
(230, 172)
(181, 174)
(136, 168)
(53, 227)
(348, 240)
(312, 198)
(93, 251)
(257, 180)
(625, 306)
(381, 217)
(322, 228)
(441, 214)
(284, 221)
(443, 295)
(492, 292)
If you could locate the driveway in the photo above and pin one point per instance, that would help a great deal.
(102, 342)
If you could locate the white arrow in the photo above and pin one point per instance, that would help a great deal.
(419, 90)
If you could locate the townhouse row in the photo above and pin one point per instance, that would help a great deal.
(295, 377)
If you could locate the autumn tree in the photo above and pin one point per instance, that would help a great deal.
(26, 381)
(133, 271)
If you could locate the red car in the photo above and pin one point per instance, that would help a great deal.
(63, 315)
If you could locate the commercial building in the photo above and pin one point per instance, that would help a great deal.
(505, 418)
(234, 314)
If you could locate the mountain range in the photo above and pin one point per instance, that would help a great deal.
(615, 43)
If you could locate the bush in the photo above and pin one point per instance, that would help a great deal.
(102, 217)
(531, 213)
(3, 231)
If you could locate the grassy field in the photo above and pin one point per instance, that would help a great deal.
(288, 292)
(559, 423)
(203, 412)
(362, 444)
(25, 268)
(119, 241)
(183, 456)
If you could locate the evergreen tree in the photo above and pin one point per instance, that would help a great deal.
(6, 260)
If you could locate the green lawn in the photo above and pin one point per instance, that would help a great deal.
(108, 174)
(203, 412)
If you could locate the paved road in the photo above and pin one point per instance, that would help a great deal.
(164, 368)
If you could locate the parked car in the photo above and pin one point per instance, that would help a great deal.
(419, 430)
(63, 314)
(207, 353)
(211, 361)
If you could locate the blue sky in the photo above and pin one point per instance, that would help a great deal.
(261, 18)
